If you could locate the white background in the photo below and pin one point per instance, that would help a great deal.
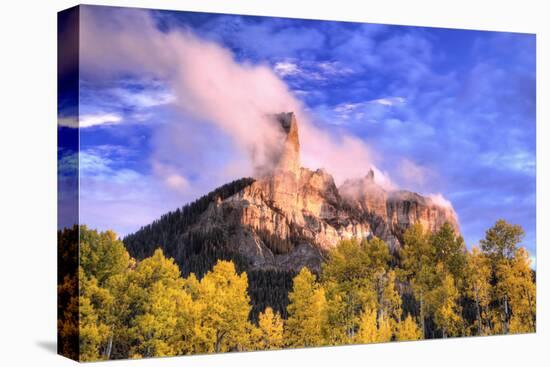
(28, 181)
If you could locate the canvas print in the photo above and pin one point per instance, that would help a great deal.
(233, 183)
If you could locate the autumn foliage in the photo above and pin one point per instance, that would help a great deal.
(432, 288)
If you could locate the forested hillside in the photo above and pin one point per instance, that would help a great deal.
(197, 251)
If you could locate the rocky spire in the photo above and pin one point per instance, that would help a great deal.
(289, 157)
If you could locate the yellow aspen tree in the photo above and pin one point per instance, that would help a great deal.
(269, 331)
(408, 330)
(164, 317)
(341, 321)
(306, 312)
(102, 255)
(368, 328)
(500, 245)
(104, 258)
(385, 329)
(418, 267)
(226, 306)
(517, 281)
(353, 280)
(390, 302)
(445, 308)
(373, 330)
(167, 325)
(94, 305)
(478, 288)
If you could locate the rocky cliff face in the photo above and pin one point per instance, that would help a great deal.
(288, 218)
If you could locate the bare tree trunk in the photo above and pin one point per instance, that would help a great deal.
(219, 339)
(109, 348)
(506, 315)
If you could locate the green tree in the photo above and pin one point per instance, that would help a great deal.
(102, 255)
(449, 250)
(306, 312)
(501, 240)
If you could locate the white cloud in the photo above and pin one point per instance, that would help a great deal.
(68, 121)
(519, 161)
(90, 120)
(317, 71)
(286, 68)
(177, 182)
(333, 68)
(439, 200)
(212, 88)
(144, 98)
(345, 108)
(389, 101)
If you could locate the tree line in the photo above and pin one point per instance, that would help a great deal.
(433, 288)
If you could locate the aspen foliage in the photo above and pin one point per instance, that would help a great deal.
(116, 307)
(269, 333)
(306, 312)
(408, 330)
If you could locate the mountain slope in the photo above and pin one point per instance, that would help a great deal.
(287, 218)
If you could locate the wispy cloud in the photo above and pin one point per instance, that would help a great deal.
(389, 101)
(285, 68)
(90, 120)
(317, 71)
(144, 98)
(521, 161)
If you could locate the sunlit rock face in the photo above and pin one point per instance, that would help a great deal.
(289, 159)
(291, 216)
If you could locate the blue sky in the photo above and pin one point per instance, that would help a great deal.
(440, 111)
